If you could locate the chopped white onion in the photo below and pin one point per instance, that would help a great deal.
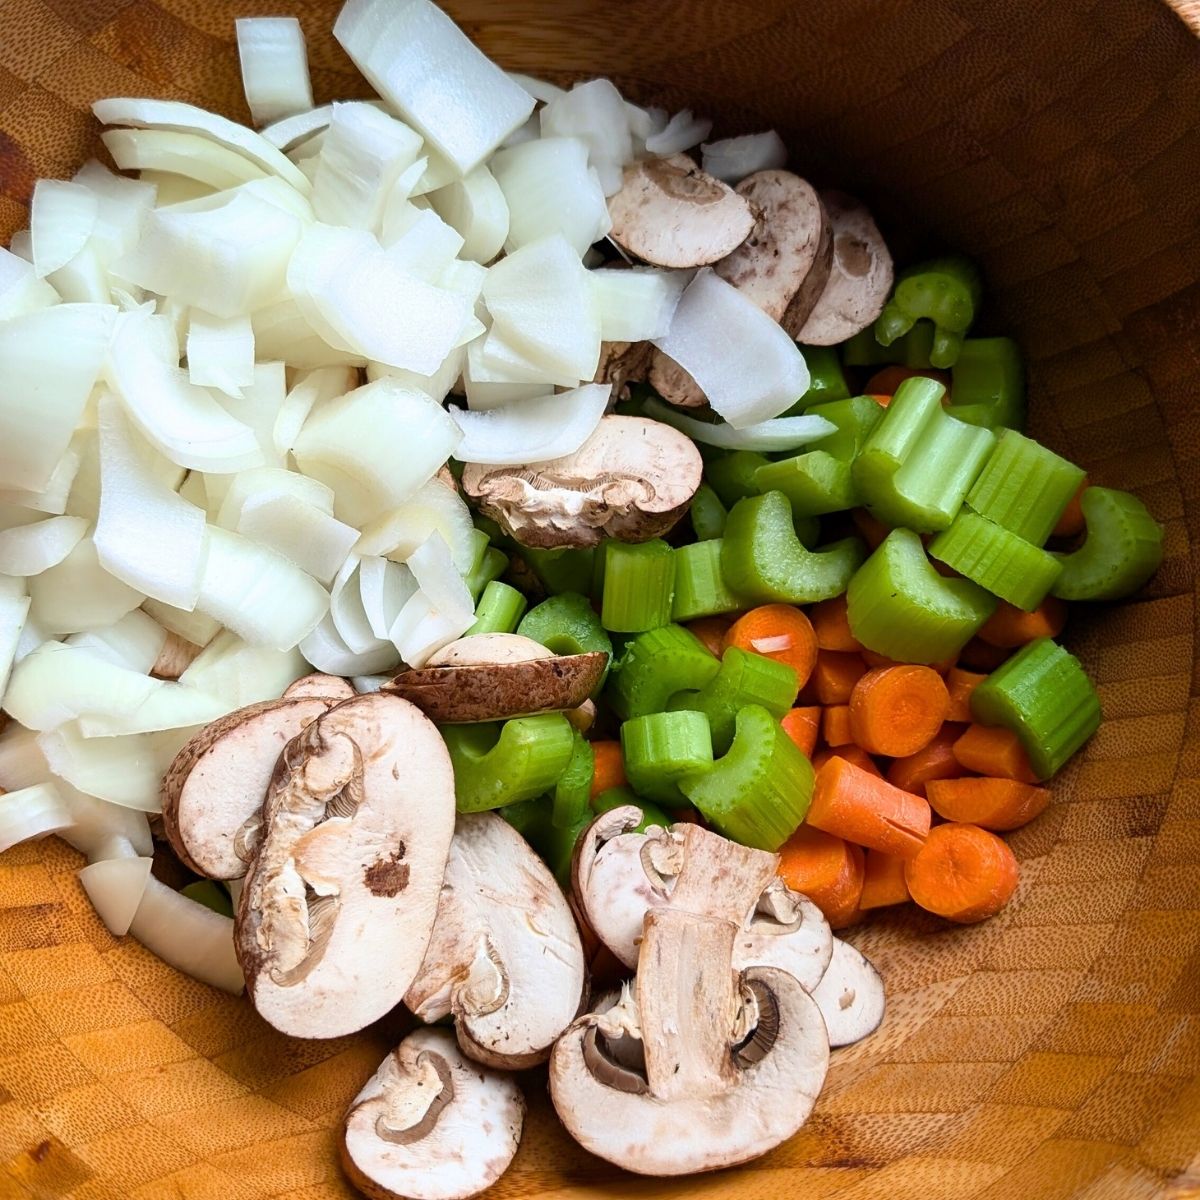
(532, 431)
(434, 507)
(747, 366)
(115, 887)
(732, 159)
(134, 642)
(21, 291)
(487, 387)
(290, 132)
(258, 406)
(282, 332)
(242, 674)
(195, 627)
(370, 683)
(315, 541)
(431, 73)
(122, 205)
(348, 612)
(438, 172)
(274, 67)
(542, 90)
(529, 132)
(309, 389)
(327, 652)
(420, 242)
(31, 812)
(79, 594)
(101, 830)
(781, 433)
(14, 608)
(436, 386)
(645, 122)
(683, 131)
(440, 581)
(171, 706)
(269, 483)
(421, 630)
(637, 304)
(34, 548)
(476, 207)
(384, 588)
(61, 219)
(185, 154)
(122, 770)
(170, 188)
(220, 352)
(594, 112)
(84, 280)
(499, 357)
(22, 763)
(53, 497)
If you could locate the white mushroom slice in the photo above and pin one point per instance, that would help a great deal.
(850, 996)
(332, 687)
(431, 1125)
(859, 281)
(479, 648)
(337, 908)
(212, 793)
(623, 363)
(632, 479)
(670, 213)
(505, 957)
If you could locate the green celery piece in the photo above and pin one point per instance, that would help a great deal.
(708, 514)
(618, 797)
(948, 292)
(1121, 551)
(655, 666)
(567, 624)
(639, 586)
(1044, 696)
(759, 792)
(660, 748)
(495, 765)
(826, 380)
(997, 559)
(700, 588)
(210, 894)
(554, 843)
(744, 678)
(498, 610)
(526, 815)
(574, 787)
(901, 607)
(563, 570)
(911, 350)
(918, 464)
(987, 384)
(480, 541)
(732, 475)
(493, 564)
(763, 560)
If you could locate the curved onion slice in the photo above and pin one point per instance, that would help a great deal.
(220, 352)
(269, 483)
(61, 219)
(170, 706)
(21, 291)
(476, 207)
(134, 642)
(594, 112)
(488, 387)
(194, 627)
(440, 582)
(291, 131)
(781, 433)
(122, 770)
(384, 587)
(258, 406)
(186, 118)
(101, 830)
(348, 612)
(186, 154)
(436, 386)
(115, 887)
(34, 548)
(327, 652)
(683, 131)
(79, 594)
(433, 507)
(542, 90)
(242, 674)
(421, 630)
(732, 159)
(638, 304)
(532, 431)
(281, 331)
(315, 541)
(310, 389)
(14, 609)
(274, 67)
(22, 763)
(31, 812)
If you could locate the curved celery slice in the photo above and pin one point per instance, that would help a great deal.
(639, 585)
(731, 476)
(708, 513)
(996, 559)
(946, 291)
(562, 570)
(1123, 548)
(900, 606)
(1044, 696)
(660, 748)
(495, 765)
(573, 790)
(654, 667)
(700, 588)
(499, 609)
(987, 384)
(826, 380)
(917, 464)
(759, 792)
(567, 624)
(763, 559)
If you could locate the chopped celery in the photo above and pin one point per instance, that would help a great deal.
(1044, 696)
(708, 514)
(574, 786)
(732, 475)
(210, 894)
(1122, 549)
(660, 748)
(654, 667)
(567, 624)
(619, 796)
(987, 384)
(918, 464)
(826, 381)
(1024, 487)
(499, 609)
(759, 792)
(534, 821)
(700, 588)
(911, 350)
(491, 566)
(762, 559)
(639, 585)
(900, 606)
(996, 559)
(560, 570)
(946, 291)
(495, 765)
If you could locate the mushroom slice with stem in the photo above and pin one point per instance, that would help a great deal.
(734, 1061)
(850, 996)
(671, 213)
(430, 1125)
(623, 363)
(632, 479)
(332, 687)
(505, 957)
(337, 908)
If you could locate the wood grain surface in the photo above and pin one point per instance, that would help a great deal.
(1051, 1053)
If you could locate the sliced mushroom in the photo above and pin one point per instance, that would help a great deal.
(733, 1061)
(332, 687)
(176, 655)
(671, 213)
(337, 908)
(859, 281)
(623, 363)
(505, 957)
(431, 1125)
(632, 479)
(212, 793)
(479, 648)
(850, 996)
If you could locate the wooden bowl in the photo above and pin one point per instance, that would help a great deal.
(1052, 1052)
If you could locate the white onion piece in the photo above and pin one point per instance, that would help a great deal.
(532, 431)
(84, 280)
(282, 332)
(645, 122)
(100, 830)
(54, 496)
(170, 188)
(436, 386)
(181, 421)
(122, 205)
(747, 366)
(258, 406)
(540, 299)
(274, 67)
(549, 189)
(29, 813)
(384, 588)
(270, 190)
(732, 159)
(421, 630)
(290, 132)
(242, 674)
(189, 936)
(636, 305)
(220, 352)
(21, 291)
(171, 706)
(195, 627)
(542, 90)
(781, 433)
(32, 637)
(115, 887)
(310, 389)
(122, 770)
(268, 483)
(431, 73)
(134, 642)
(529, 132)
(500, 357)
(14, 609)
(49, 361)
(185, 154)
(327, 652)
(186, 118)
(683, 131)
(315, 541)
(476, 207)
(370, 683)
(259, 594)
(22, 763)
(595, 113)
(61, 219)
(487, 387)
(433, 508)
(350, 443)
(364, 153)
(349, 616)
(32, 549)
(439, 580)
(421, 243)
(79, 594)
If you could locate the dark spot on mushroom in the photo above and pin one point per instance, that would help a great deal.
(854, 256)
(389, 876)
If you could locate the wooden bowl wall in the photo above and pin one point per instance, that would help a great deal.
(1053, 1052)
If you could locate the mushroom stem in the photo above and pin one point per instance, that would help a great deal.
(411, 1112)
(719, 877)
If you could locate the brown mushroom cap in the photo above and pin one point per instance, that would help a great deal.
(671, 213)
(632, 479)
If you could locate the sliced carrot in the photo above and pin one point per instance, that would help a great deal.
(873, 659)
(872, 529)
(778, 631)
(883, 881)
(1071, 522)
(852, 754)
(609, 769)
(898, 710)
(835, 674)
(711, 631)
(831, 623)
(992, 750)
(935, 761)
(887, 380)
(826, 869)
(851, 803)
(1009, 626)
(980, 656)
(802, 726)
(963, 873)
(835, 725)
(960, 684)
(993, 803)
(880, 399)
